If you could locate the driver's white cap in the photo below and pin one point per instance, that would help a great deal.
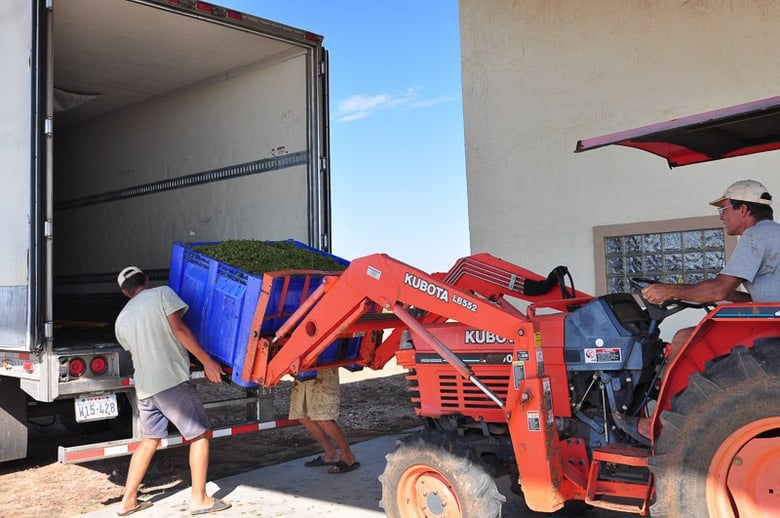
(126, 273)
(745, 190)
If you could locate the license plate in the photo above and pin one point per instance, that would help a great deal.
(95, 408)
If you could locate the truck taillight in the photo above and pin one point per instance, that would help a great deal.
(77, 367)
(98, 365)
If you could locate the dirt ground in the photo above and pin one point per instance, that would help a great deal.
(39, 486)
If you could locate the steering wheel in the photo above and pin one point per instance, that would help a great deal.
(666, 308)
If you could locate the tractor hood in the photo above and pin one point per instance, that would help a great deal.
(739, 130)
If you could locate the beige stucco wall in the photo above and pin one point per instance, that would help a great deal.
(540, 74)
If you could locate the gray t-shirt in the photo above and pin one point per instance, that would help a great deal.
(142, 328)
(756, 259)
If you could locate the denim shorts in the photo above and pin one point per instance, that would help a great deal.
(179, 405)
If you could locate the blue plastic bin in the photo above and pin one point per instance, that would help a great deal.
(223, 301)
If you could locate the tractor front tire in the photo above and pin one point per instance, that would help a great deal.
(428, 475)
(719, 450)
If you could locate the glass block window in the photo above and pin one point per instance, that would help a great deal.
(688, 256)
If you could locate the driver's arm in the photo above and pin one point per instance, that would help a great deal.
(722, 287)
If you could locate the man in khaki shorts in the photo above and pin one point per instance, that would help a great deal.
(315, 403)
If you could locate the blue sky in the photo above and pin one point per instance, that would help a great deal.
(397, 159)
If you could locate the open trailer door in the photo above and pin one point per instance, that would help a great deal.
(728, 132)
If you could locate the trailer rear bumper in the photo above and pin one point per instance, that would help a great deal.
(109, 449)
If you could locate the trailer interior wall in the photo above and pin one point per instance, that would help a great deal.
(174, 96)
(219, 125)
(538, 75)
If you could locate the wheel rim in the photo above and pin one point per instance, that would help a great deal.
(742, 478)
(425, 492)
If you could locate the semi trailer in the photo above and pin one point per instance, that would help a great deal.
(129, 125)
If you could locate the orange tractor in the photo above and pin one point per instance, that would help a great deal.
(531, 392)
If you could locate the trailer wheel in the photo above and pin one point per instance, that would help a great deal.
(719, 450)
(429, 476)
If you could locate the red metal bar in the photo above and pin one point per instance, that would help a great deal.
(535, 439)
(305, 306)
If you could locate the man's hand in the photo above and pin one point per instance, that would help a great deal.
(658, 293)
(213, 371)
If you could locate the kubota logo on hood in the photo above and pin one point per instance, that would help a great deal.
(477, 336)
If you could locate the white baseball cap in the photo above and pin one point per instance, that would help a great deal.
(127, 273)
(745, 190)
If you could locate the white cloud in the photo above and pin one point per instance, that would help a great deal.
(362, 103)
(360, 106)
(424, 103)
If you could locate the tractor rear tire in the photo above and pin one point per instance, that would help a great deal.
(429, 475)
(719, 448)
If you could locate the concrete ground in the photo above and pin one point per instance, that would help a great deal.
(292, 490)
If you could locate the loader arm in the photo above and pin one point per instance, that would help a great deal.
(354, 301)
(493, 279)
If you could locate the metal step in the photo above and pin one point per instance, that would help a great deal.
(619, 479)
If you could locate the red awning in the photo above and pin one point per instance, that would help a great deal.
(739, 130)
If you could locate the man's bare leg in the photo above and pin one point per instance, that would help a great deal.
(333, 430)
(315, 428)
(675, 346)
(199, 465)
(678, 340)
(139, 463)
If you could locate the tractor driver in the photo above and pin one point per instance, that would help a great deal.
(745, 210)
